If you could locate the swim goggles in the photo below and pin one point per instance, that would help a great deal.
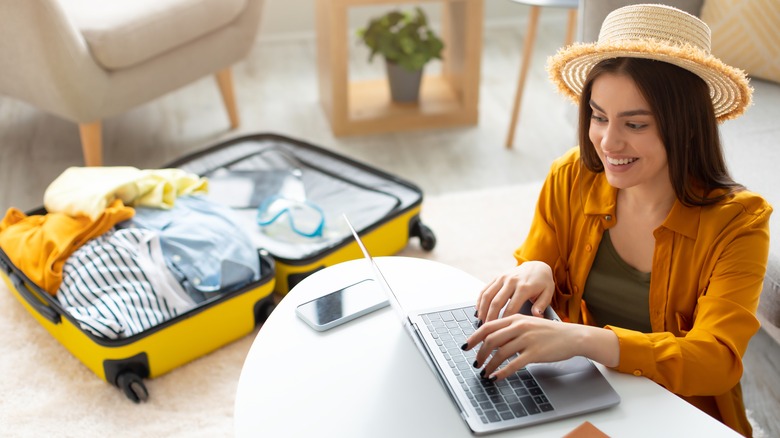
(303, 217)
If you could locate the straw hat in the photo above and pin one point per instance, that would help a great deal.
(659, 32)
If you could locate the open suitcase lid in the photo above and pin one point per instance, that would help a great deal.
(245, 172)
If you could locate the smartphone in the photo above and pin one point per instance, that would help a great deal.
(345, 304)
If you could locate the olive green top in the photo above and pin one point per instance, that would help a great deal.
(616, 293)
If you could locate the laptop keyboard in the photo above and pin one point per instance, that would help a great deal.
(516, 396)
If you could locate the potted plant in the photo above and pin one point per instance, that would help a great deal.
(407, 43)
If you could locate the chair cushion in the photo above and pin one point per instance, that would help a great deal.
(122, 33)
(769, 304)
(744, 34)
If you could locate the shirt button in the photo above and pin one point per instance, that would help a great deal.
(196, 281)
(638, 373)
(176, 258)
(608, 217)
(588, 247)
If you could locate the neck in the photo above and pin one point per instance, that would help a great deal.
(651, 201)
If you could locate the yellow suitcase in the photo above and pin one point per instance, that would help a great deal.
(384, 208)
(126, 362)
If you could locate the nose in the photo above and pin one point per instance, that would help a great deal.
(611, 138)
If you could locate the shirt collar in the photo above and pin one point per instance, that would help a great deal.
(601, 200)
(683, 220)
(600, 197)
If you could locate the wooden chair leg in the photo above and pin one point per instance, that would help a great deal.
(225, 82)
(571, 27)
(91, 143)
(530, 37)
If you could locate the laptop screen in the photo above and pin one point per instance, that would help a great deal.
(395, 304)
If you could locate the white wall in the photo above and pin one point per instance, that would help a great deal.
(284, 19)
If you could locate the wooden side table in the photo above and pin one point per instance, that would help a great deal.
(364, 107)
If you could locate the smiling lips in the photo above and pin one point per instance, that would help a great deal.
(620, 161)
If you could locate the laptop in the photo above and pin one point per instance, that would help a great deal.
(538, 393)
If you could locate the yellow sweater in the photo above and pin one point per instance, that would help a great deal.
(707, 274)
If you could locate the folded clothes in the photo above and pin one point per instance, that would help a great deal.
(203, 245)
(89, 190)
(117, 285)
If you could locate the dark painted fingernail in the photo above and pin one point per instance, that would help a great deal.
(476, 364)
(482, 374)
(465, 346)
(475, 313)
(493, 378)
(479, 323)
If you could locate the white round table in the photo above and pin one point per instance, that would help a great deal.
(366, 378)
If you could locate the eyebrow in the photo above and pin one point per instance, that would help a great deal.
(637, 112)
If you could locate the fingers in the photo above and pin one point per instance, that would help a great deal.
(481, 336)
(495, 296)
(501, 340)
(516, 360)
(518, 340)
(540, 304)
(486, 297)
(514, 305)
(503, 295)
(531, 280)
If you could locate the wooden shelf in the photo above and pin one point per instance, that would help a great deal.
(364, 107)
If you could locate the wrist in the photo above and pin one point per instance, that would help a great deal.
(599, 344)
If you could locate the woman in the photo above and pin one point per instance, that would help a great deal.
(641, 240)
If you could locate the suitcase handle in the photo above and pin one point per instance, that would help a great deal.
(42, 308)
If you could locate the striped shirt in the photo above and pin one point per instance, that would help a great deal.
(117, 285)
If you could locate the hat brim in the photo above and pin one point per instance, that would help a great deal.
(730, 90)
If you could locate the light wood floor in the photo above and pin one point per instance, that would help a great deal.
(277, 92)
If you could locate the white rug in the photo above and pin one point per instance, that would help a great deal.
(48, 392)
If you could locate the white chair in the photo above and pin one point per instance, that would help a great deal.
(528, 45)
(88, 60)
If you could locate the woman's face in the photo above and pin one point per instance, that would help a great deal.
(625, 134)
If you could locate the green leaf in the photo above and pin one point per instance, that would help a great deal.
(404, 38)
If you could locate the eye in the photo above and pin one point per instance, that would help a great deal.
(636, 126)
(597, 118)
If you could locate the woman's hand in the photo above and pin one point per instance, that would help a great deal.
(529, 281)
(538, 340)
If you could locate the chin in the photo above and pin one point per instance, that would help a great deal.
(616, 181)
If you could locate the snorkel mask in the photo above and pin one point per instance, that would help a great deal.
(303, 217)
(289, 210)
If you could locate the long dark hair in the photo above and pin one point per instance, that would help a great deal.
(680, 102)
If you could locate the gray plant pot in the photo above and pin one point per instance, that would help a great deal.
(404, 84)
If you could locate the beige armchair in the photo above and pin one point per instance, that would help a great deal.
(88, 60)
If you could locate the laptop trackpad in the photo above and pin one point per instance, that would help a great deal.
(558, 379)
(576, 364)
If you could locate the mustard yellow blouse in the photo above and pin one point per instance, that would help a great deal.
(707, 274)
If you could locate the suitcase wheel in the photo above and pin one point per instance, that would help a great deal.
(263, 309)
(419, 229)
(427, 238)
(133, 387)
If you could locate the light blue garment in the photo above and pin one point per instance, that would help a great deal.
(203, 245)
